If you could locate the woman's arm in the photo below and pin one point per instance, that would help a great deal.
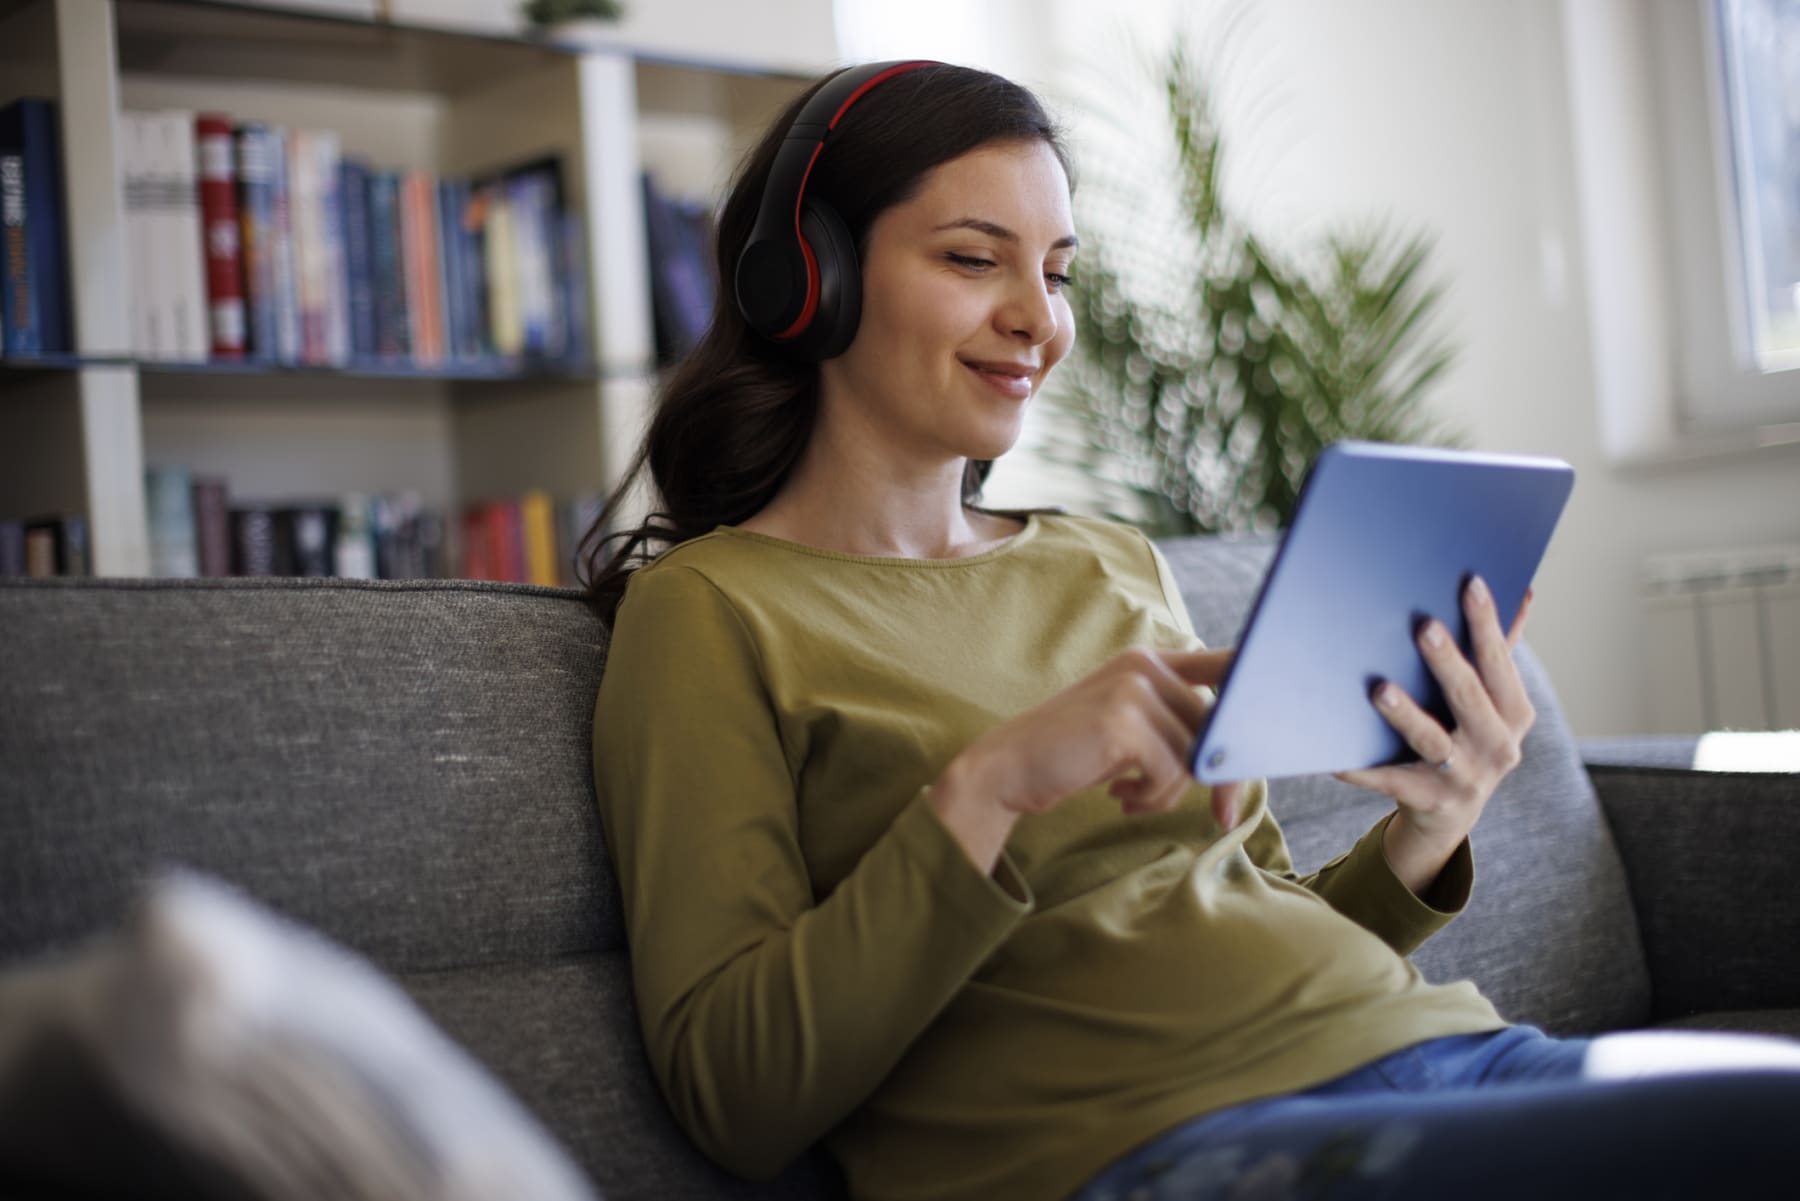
(768, 1017)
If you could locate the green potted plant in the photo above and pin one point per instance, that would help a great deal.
(572, 21)
(1209, 370)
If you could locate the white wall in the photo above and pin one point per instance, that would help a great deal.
(1453, 116)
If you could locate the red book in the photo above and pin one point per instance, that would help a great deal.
(419, 243)
(505, 542)
(477, 554)
(219, 218)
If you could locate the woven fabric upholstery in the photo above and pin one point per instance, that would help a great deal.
(403, 766)
(1549, 935)
(1710, 856)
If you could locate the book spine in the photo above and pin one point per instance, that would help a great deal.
(286, 270)
(450, 272)
(355, 538)
(194, 329)
(311, 270)
(56, 545)
(503, 275)
(219, 214)
(140, 237)
(505, 541)
(29, 126)
(538, 529)
(212, 525)
(253, 542)
(477, 553)
(353, 184)
(393, 340)
(256, 208)
(305, 541)
(331, 231)
(23, 333)
(12, 548)
(168, 493)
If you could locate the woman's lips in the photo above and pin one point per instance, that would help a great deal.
(1018, 387)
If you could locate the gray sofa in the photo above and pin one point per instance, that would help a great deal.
(406, 767)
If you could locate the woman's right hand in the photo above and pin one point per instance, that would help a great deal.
(1130, 725)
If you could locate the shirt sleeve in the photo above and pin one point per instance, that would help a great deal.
(767, 1017)
(1361, 885)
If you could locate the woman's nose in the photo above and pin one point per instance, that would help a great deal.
(1030, 313)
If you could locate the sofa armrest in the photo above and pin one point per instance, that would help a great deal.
(1709, 858)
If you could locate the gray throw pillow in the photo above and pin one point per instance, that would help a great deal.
(212, 1049)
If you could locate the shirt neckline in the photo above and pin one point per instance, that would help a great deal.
(987, 556)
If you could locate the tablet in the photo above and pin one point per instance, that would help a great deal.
(1382, 537)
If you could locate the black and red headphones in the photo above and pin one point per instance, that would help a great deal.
(797, 279)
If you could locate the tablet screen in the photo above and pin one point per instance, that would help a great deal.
(1383, 536)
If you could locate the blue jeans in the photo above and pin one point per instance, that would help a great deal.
(1504, 1115)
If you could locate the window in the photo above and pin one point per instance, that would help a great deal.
(1759, 43)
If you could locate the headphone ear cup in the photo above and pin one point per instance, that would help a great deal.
(833, 326)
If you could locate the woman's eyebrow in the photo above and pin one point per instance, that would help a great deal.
(999, 231)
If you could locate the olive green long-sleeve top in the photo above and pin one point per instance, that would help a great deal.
(815, 957)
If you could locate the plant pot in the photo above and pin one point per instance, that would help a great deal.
(582, 33)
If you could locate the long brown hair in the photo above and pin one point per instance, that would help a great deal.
(733, 417)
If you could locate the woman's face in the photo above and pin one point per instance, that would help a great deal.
(963, 313)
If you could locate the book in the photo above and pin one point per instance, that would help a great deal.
(418, 245)
(217, 171)
(148, 333)
(450, 267)
(306, 540)
(184, 254)
(212, 525)
(355, 538)
(393, 336)
(256, 217)
(253, 541)
(56, 545)
(169, 501)
(359, 287)
(286, 272)
(537, 535)
(12, 548)
(29, 126)
(24, 329)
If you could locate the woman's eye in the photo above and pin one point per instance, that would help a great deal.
(1060, 281)
(963, 260)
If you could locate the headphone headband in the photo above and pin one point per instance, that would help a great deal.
(778, 282)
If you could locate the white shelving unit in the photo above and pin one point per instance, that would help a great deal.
(77, 437)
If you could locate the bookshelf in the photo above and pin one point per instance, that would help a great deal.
(77, 430)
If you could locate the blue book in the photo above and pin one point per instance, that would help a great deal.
(359, 282)
(454, 271)
(256, 147)
(19, 303)
(387, 277)
(29, 126)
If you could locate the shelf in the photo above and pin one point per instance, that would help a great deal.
(495, 370)
(206, 39)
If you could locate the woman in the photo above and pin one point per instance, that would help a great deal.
(895, 787)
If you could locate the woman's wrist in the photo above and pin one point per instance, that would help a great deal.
(967, 807)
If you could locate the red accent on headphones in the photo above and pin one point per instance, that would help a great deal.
(780, 272)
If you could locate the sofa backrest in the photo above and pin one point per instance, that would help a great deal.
(403, 765)
(406, 766)
(1549, 934)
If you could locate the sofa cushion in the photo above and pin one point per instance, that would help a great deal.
(1549, 935)
(403, 765)
(562, 1034)
(1742, 1021)
(243, 1056)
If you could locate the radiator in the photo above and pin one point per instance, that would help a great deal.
(1724, 639)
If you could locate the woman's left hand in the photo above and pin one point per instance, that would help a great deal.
(1441, 796)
